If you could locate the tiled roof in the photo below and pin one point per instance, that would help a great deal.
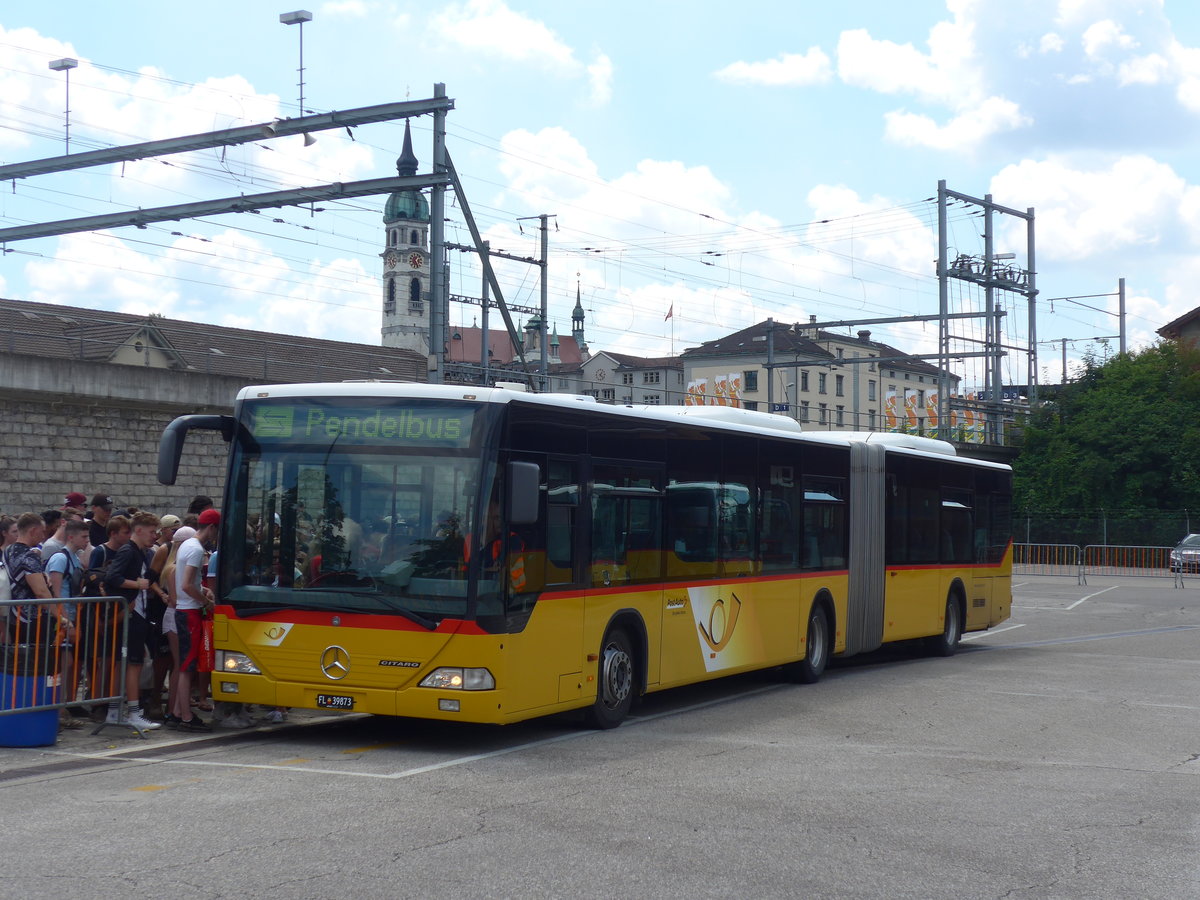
(901, 359)
(625, 361)
(69, 332)
(752, 341)
(464, 345)
(1173, 329)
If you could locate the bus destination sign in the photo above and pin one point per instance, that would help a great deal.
(310, 423)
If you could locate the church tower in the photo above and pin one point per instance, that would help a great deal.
(406, 262)
(577, 324)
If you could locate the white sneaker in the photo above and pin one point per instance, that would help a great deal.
(140, 722)
(275, 717)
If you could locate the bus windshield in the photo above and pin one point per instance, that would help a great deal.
(353, 506)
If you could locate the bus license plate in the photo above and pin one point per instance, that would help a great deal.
(335, 701)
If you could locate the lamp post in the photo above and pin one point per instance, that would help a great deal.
(65, 65)
(298, 17)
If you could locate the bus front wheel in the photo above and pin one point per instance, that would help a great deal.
(614, 689)
(946, 643)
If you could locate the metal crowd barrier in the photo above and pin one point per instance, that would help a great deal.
(1108, 559)
(1048, 559)
(1094, 559)
(47, 665)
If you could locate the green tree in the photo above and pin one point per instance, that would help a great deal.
(1125, 435)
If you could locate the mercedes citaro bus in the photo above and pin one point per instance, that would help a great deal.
(489, 555)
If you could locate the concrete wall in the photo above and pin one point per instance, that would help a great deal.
(92, 427)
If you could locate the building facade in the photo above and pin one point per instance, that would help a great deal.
(824, 380)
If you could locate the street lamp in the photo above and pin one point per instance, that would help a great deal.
(298, 17)
(65, 65)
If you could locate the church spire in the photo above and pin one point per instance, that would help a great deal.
(577, 317)
(407, 163)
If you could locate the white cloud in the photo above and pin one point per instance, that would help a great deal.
(104, 272)
(600, 75)
(1149, 69)
(942, 76)
(489, 26)
(788, 69)
(32, 98)
(350, 9)
(1051, 43)
(1105, 34)
(233, 279)
(908, 243)
(1185, 63)
(1072, 12)
(962, 133)
(1092, 213)
(949, 76)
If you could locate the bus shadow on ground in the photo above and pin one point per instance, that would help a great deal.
(462, 738)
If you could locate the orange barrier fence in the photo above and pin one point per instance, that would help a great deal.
(1047, 559)
(1095, 559)
(1108, 559)
(61, 653)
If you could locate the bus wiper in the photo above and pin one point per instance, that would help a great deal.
(412, 615)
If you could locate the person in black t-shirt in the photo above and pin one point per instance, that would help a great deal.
(97, 519)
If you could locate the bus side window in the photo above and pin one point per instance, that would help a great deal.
(692, 523)
(626, 513)
(958, 526)
(779, 509)
(562, 504)
(824, 542)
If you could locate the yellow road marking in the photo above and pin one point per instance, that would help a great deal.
(371, 747)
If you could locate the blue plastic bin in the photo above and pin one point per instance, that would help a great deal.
(27, 681)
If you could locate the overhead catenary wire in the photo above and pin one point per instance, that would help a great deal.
(650, 252)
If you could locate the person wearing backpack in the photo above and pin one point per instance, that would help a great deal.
(129, 574)
(100, 627)
(65, 574)
(29, 624)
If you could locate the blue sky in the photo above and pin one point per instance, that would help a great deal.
(731, 162)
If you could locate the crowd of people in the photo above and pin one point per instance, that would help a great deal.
(159, 565)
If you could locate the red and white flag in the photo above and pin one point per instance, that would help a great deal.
(670, 312)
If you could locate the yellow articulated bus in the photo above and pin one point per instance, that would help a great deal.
(489, 555)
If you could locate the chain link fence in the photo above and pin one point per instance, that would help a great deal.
(1124, 527)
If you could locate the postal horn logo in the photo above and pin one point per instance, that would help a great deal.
(722, 620)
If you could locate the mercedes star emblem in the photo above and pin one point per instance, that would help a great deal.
(335, 663)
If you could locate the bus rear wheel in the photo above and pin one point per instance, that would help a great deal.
(614, 688)
(816, 650)
(946, 643)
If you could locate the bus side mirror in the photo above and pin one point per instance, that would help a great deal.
(170, 445)
(524, 490)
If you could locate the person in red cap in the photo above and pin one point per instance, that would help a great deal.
(74, 500)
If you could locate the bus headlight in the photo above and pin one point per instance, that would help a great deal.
(239, 663)
(460, 679)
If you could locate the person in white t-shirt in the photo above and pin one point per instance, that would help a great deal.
(192, 599)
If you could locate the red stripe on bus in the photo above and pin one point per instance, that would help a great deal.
(675, 585)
